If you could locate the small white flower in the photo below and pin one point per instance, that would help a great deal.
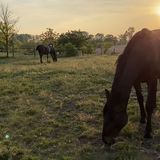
(6, 136)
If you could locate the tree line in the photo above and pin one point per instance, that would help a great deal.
(72, 42)
(67, 44)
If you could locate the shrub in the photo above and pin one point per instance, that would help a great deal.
(70, 50)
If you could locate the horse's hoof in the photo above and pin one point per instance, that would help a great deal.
(108, 142)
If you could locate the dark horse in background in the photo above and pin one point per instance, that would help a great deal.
(140, 62)
(46, 50)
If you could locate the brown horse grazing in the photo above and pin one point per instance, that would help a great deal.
(46, 50)
(140, 62)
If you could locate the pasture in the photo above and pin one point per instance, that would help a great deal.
(53, 111)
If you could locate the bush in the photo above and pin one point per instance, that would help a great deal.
(87, 49)
(70, 50)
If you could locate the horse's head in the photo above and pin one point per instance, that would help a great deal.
(52, 51)
(114, 118)
(50, 45)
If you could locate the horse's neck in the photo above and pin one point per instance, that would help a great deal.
(124, 80)
(121, 91)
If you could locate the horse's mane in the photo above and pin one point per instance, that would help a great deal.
(122, 59)
(139, 35)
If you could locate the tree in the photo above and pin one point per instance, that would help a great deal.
(111, 38)
(7, 27)
(49, 36)
(70, 50)
(87, 48)
(23, 38)
(129, 33)
(124, 38)
(99, 39)
(76, 38)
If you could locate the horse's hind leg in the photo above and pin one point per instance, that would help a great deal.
(150, 105)
(140, 99)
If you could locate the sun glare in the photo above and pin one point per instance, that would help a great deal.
(158, 10)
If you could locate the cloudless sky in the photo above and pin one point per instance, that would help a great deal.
(94, 16)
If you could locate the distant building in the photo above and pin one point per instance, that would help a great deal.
(99, 51)
(118, 49)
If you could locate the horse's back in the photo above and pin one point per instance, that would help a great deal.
(143, 50)
(42, 49)
(156, 32)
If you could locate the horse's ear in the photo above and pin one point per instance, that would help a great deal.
(107, 93)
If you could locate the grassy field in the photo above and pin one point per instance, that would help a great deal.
(54, 112)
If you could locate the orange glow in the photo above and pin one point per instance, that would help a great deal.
(158, 10)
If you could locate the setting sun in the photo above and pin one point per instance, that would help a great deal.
(158, 10)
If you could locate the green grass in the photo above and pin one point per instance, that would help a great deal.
(54, 111)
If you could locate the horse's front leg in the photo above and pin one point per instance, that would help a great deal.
(150, 105)
(140, 99)
(47, 57)
(40, 58)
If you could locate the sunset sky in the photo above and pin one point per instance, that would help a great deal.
(94, 16)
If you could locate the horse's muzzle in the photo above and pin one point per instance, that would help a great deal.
(108, 140)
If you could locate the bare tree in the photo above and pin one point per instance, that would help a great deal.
(7, 26)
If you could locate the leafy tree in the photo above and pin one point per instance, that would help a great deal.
(87, 48)
(107, 45)
(26, 40)
(124, 38)
(111, 38)
(99, 41)
(7, 27)
(76, 38)
(23, 38)
(70, 50)
(99, 37)
(49, 36)
(129, 33)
